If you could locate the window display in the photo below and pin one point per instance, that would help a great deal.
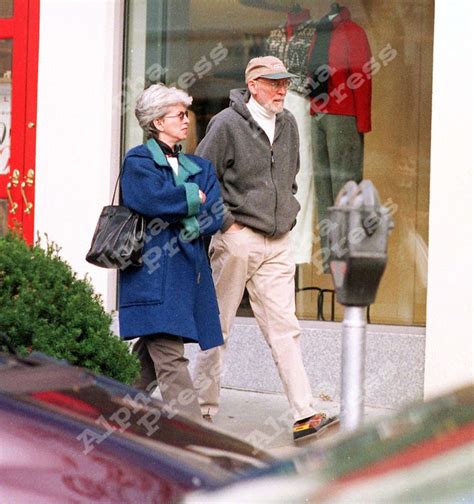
(361, 99)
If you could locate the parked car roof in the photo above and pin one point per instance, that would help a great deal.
(68, 434)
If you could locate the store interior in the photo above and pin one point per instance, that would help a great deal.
(204, 46)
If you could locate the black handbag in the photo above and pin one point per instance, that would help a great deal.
(118, 237)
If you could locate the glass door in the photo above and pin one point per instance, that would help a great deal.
(19, 26)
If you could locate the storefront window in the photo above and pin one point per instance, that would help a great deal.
(380, 99)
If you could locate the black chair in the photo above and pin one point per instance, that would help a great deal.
(320, 299)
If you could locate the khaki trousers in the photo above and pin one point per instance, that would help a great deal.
(266, 267)
(163, 364)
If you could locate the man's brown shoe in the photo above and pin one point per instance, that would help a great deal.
(313, 425)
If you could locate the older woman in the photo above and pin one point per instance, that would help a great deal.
(170, 299)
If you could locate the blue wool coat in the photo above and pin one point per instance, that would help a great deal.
(172, 292)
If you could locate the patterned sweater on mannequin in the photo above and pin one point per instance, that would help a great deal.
(291, 42)
(293, 51)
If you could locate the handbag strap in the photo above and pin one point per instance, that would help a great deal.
(116, 184)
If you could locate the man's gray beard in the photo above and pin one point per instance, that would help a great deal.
(273, 108)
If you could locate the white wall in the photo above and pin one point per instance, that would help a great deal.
(449, 337)
(78, 126)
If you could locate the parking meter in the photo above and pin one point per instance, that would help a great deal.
(358, 239)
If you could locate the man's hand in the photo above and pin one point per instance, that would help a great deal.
(235, 227)
(202, 196)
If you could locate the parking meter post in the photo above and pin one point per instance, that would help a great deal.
(353, 369)
(358, 240)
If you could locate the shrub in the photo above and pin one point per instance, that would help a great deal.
(45, 307)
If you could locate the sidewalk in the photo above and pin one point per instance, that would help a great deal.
(263, 419)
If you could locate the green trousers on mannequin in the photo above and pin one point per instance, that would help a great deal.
(338, 156)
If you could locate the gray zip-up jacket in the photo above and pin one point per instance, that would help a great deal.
(257, 178)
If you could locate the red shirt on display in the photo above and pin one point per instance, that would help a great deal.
(350, 84)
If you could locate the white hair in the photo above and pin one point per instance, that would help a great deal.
(155, 102)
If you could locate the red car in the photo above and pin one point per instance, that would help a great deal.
(67, 435)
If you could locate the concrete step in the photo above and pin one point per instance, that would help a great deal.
(394, 361)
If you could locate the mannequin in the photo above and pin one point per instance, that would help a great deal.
(290, 42)
(340, 109)
(335, 9)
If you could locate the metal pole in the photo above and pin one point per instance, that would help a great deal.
(353, 364)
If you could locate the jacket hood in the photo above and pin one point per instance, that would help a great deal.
(238, 101)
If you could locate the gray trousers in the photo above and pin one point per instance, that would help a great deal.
(163, 364)
(338, 156)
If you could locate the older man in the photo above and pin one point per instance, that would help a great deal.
(254, 146)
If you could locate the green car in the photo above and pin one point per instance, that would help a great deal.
(422, 454)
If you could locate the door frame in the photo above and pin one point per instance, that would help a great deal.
(23, 29)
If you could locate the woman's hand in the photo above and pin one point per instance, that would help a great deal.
(202, 196)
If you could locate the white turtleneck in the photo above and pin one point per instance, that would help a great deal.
(265, 119)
